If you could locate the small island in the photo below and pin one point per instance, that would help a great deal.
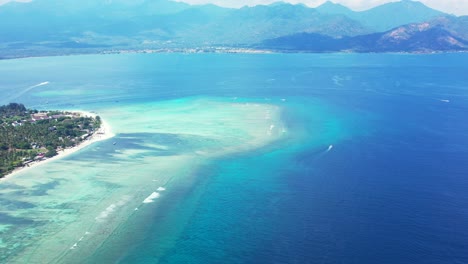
(30, 136)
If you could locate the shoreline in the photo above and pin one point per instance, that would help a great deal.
(253, 51)
(103, 133)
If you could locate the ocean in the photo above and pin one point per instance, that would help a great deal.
(246, 158)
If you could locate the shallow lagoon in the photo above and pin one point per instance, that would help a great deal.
(72, 205)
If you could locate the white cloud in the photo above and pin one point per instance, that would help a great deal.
(458, 7)
(6, 1)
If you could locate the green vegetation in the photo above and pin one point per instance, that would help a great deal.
(30, 135)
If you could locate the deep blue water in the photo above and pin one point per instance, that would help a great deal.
(392, 190)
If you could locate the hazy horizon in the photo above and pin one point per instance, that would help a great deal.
(457, 7)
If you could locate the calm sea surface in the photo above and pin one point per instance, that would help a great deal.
(373, 167)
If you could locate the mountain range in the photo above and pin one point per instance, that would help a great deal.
(45, 27)
(441, 34)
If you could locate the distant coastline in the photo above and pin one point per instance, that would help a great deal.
(76, 52)
(214, 50)
(280, 27)
(104, 132)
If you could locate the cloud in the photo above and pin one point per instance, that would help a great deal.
(458, 7)
(6, 1)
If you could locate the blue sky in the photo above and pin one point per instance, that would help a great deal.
(458, 7)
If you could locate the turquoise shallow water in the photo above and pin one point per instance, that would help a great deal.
(365, 162)
(80, 203)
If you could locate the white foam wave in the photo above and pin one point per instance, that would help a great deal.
(151, 197)
(111, 208)
(270, 130)
(337, 80)
(161, 189)
(104, 214)
(79, 240)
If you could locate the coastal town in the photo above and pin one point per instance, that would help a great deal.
(30, 136)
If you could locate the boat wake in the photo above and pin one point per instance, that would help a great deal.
(37, 85)
(18, 95)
